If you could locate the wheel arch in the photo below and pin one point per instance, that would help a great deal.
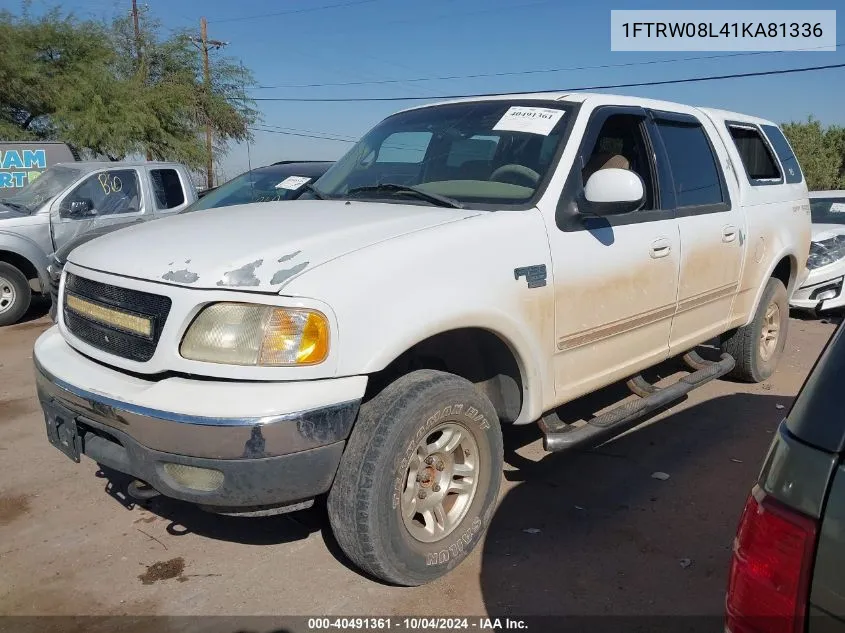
(785, 268)
(491, 360)
(26, 256)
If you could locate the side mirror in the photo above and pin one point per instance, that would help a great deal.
(80, 208)
(613, 191)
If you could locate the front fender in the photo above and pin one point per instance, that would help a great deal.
(29, 249)
(392, 295)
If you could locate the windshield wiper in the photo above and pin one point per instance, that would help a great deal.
(15, 205)
(436, 198)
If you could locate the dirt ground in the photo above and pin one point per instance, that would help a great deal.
(584, 533)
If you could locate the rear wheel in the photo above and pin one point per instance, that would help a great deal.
(419, 478)
(758, 346)
(15, 294)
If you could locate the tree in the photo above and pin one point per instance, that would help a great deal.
(820, 152)
(102, 90)
(170, 96)
(47, 61)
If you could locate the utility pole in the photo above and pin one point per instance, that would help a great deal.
(137, 29)
(204, 44)
(139, 53)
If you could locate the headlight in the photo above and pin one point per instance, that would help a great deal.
(826, 252)
(251, 334)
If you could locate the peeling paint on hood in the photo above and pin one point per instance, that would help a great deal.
(256, 247)
(283, 275)
(243, 276)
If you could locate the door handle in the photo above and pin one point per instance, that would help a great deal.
(729, 233)
(660, 248)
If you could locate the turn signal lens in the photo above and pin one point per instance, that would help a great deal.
(295, 338)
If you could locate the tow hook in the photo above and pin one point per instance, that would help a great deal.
(141, 491)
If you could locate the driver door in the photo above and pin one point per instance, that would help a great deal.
(103, 200)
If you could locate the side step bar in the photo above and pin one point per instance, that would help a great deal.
(559, 436)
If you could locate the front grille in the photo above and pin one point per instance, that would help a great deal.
(110, 339)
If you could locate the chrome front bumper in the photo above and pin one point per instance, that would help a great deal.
(197, 436)
(261, 460)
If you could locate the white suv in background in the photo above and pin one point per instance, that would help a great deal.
(822, 289)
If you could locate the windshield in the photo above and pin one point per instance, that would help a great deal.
(828, 210)
(258, 185)
(48, 185)
(486, 152)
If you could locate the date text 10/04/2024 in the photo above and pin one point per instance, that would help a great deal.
(416, 624)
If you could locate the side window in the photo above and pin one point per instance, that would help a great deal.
(167, 188)
(621, 144)
(694, 170)
(760, 164)
(404, 147)
(785, 153)
(104, 193)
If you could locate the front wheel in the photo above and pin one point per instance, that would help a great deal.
(15, 294)
(419, 478)
(758, 346)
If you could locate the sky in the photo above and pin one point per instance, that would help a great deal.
(354, 41)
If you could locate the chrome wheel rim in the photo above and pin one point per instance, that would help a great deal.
(770, 333)
(440, 482)
(7, 295)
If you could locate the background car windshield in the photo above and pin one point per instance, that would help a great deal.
(488, 152)
(253, 186)
(828, 210)
(49, 184)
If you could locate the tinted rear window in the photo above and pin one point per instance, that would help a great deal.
(784, 152)
(694, 170)
(167, 188)
(817, 416)
(757, 158)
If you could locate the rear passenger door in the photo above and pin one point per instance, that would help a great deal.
(710, 224)
(168, 191)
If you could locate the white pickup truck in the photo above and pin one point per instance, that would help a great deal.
(467, 265)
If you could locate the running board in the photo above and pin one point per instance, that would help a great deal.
(559, 436)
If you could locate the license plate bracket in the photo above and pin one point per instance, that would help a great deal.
(62, 430)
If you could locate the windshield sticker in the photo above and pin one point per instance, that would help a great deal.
(837, 207)
(292, 183)
(529, 119)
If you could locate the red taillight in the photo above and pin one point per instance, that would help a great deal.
(770, 568)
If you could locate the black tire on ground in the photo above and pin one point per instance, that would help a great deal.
(369, 494)
(745, 343)
(15, 294)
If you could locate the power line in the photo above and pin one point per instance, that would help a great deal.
(534, 71)
(293, 11)
(317, 136)
(763, 73)
(301, 131)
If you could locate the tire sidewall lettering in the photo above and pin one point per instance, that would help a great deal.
(457, 549)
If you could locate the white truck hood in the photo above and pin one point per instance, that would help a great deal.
(256, 247)
(826, 231)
